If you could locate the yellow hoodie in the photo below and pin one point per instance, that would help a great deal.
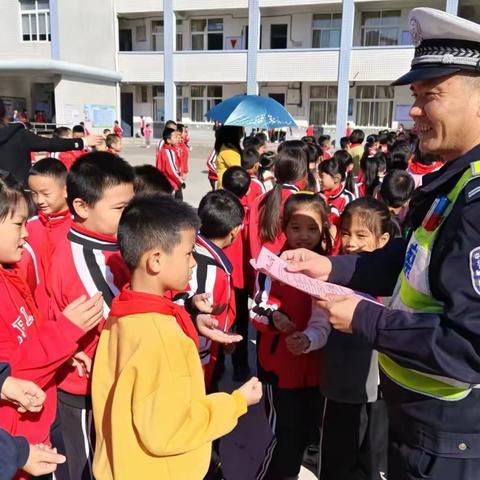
(153, 418)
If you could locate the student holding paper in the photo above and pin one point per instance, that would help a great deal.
(289, 338)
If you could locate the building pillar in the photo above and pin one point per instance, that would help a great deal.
(348, 17)
(452, 7)
(55, 41)
(253, 45)
(169, 35)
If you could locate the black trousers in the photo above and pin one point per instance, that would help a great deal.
(409, 463)
(179, 194)
(354, 441)
(294, 415)
(74, 436)
(240, 354)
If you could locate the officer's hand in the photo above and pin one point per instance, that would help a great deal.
(42, 460)
(340, 310)
(307, 262)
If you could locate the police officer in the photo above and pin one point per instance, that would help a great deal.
(428, 338)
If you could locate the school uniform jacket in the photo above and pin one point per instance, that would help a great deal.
(168, 162)
(70, 157)
(212, 166)
(84, 264)
(254, 228)
(338, 198)
(256, 189)
(183, 154)
(277, 365)
(35, 349)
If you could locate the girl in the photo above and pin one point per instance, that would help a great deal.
(265, 171)
(290, 335)
(315, 157)
(374, 169)
(332, 178)
(228, 149)
(33, 348)
(354, 437)
(266, 211)
(347, 161)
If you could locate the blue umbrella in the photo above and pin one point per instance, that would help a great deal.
(251, 111)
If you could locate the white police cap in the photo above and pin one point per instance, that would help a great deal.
(444, 44)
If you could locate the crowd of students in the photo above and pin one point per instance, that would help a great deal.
(119, 303)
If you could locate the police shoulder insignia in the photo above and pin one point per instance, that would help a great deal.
(472, 190)
(475, 269)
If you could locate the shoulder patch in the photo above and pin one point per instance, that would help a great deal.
(475, 269)
(472, 190)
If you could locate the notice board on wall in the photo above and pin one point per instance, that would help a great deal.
(101, 116)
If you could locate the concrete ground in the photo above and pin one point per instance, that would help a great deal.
(242, 450)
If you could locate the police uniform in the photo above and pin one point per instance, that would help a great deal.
(429, 339)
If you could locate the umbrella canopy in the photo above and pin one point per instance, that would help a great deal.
(252, 111)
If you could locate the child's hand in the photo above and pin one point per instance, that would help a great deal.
(83, 363)
(42, 460)
(207, 327)
(252, 391)
(85, 313)
(201, 302)
(23, 393)
(282, 322)
(297, 343)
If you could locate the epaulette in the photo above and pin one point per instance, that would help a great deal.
(472, 188)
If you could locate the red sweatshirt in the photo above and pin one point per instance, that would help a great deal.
(169, 163)
(86, 263)
(70, 157)
(256, 189)
(35, 350)
(212, 166)
(338, 198)
(254, 227)
(183, 154)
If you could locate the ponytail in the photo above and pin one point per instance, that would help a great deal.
(269, 218)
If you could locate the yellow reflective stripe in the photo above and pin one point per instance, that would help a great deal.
(419, 382)
(475, 168)
(417, 300)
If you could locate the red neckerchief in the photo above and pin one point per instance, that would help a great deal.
(54, 219)
(334, 192)
(421, 169)
(130, 302)
(90, 233)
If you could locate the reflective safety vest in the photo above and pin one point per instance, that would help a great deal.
(412, 294)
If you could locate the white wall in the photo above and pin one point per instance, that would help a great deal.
(71, 95)
(131, 24)
(127, 6)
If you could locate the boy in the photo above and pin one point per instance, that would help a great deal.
(356, 148)
(47, 181)
(151, 412)
(168, 161)
(149, 179)
(238, 181)
(169, 124)
(117, 129)
(68, 157)
(251, 162)
(99, 187)
(114, 144)
(183, 149)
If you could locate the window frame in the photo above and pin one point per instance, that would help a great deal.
(327, 29)
(35, 14)
(208, 100)
(372, 104)
(206, 33)
(329, 100)
(379, 28)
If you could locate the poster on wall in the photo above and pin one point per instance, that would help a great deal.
(234, 43)
(402, 113)
(100, 116)
(72, 115)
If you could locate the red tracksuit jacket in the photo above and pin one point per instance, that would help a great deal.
(35, 349)
(212, 166)
(69, 158)
(254, 227)
(277, 365)
(256, 189)
(183, 154)
(212, 274)
(45, 232)
(168, 162)
(85, 263)
(338, 198)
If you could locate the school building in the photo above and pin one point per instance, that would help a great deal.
(328, 61)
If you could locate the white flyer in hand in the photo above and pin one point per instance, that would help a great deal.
(273, 266)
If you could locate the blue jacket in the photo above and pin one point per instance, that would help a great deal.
(447, 344)
(13, 450)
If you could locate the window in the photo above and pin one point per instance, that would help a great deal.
(278, 36)
(380, 28)
(157, 35)
(141, 33)
(144, 94)
(207, 34)
(374, 106)
(326, 30)
(179, 102)
(179, 36)
(323, 105)
(203, 99)
(158, 94)
(35, 20)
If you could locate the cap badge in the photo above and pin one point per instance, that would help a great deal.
(416, 32)
(448, 58)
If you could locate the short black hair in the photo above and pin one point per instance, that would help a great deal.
(93, 173)
(111, 139)
(153, 221)
(149, 179)
(357, 136)
(220, 212)
(397, 188)
(180, 127)
(106, 131)
(250, 158)
(236, 180)
(254, 142)
(78, 129)
(171, 122)
(167, 133)
(344, 141)
(11, 191)
(61, 132)
(49, 167)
